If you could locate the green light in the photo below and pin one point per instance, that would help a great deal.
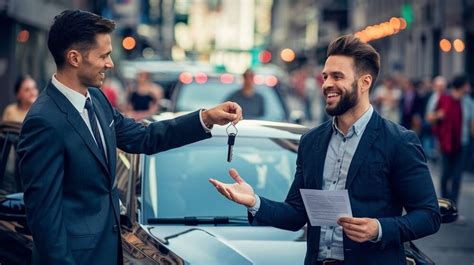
(407, 13)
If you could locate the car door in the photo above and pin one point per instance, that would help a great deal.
(15, 238)
(139, 246)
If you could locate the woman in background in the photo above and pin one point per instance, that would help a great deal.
(26, 93)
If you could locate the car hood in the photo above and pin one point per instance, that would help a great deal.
(241, 245)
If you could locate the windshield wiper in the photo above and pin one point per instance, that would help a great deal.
(195, 220)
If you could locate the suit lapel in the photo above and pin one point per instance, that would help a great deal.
(368, 138)
(76, 121)
(108, 134)
(321, 147)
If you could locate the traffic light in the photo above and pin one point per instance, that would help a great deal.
(407, 13)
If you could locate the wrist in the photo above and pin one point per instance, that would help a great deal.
(253, 202)
(206, 119)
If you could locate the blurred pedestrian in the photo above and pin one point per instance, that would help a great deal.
(452, 132)
(111, 92)
(26, 93)
(252, 103)
(67, 147)
(387, 99)
(439, 88)
(431, 144)
(144, 98)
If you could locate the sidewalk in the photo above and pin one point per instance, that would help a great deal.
(453, 244)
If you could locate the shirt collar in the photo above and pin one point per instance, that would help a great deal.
(359, 126)
(77, 99)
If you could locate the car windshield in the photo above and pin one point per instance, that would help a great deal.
(176, 181)
(195, 96)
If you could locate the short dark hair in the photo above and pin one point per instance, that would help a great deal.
(75, 28)
(366, 58)
(459, 81)
(19, 81)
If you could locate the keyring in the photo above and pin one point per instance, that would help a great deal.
(227, 129)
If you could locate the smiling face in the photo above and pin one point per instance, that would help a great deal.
(95, 62)
(340, 88)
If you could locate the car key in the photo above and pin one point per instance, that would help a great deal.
(230, 144)
(230, 141)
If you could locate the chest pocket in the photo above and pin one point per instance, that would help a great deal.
(371, 182)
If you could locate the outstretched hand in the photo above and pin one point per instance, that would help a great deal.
(222, 114)
(240, 191)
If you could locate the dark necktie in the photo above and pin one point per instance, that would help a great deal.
(94, 125)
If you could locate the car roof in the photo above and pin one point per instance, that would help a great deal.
(131, 68)
(250, 128)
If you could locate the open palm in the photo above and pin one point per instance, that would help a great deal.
(240, 191)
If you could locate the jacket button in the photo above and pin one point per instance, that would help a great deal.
(115, 228)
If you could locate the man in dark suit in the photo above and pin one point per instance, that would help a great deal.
(380, 163)
(68, 142)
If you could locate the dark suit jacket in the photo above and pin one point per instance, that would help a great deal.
(388, 173)
(71, 201)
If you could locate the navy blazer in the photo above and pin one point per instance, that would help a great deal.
(388, 173)
(71, 198)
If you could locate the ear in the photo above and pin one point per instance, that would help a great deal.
(364, 82)
(74, 58)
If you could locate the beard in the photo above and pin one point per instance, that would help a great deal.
(348, 101)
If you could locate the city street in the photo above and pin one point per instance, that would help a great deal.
(454, 243)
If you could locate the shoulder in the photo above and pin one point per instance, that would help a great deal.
(11, 108)
(395, 133)
(317, 132)
(43, 106)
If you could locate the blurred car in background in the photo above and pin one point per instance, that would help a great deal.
(191, 85)
(205, 90)
(164, 73)
(170, 214)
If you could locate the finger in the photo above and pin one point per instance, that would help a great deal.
(352, 220)
(354, 227)
(224, 192)
(228, 117)
(355, 237)
(216, 182)
(238, 113)
(231, 106)
(235, 175)
(231, 194)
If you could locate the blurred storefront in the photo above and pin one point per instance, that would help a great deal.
(437, 40)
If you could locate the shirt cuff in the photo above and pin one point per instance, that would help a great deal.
(207, 130)
(253, 210)
(379, 237)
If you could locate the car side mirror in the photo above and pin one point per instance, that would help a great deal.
(449, 212)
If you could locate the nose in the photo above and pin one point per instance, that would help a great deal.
(109, 64)
(327, 84)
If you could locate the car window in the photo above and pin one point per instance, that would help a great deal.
(10, 181)
(123, 171)
(195, 96)
(176, 181)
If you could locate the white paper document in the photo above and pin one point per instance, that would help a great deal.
(324, 207)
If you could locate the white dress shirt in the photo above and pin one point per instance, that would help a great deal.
(79, 101)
